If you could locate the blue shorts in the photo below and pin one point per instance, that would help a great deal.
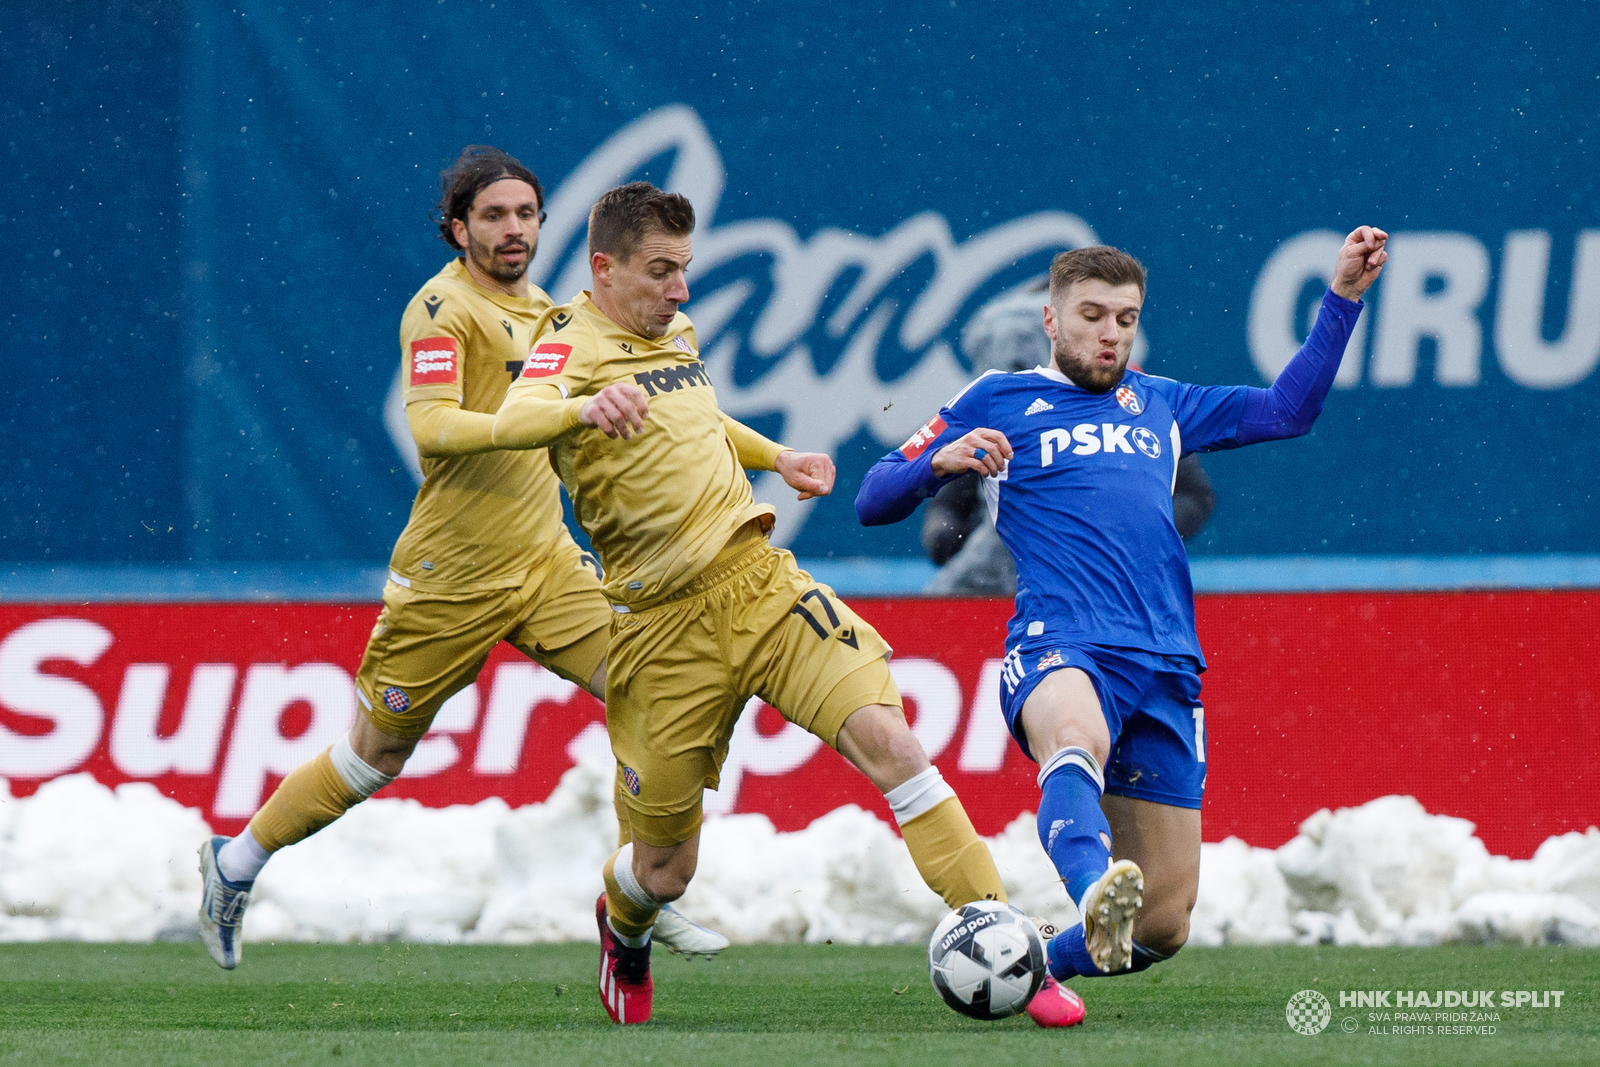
(1151, 703)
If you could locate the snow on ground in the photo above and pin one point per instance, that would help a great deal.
(80, 861)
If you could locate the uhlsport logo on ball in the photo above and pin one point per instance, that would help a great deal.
(986, 959)
(1308, 1012)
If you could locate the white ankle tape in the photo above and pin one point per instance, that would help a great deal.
(1077, 757)
(918, 795)
(360, 776)
(622, 869)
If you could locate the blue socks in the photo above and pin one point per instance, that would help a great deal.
(1072, 828)
(1069, 957)
(1077, 839)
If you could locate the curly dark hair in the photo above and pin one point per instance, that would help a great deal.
(475, 169)
(1098, 262)
(622, 216)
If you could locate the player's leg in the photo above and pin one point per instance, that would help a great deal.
(421, 652)
(670, 712)
(1068, 735)
(1164, 840)
(567, 629)
(949, 854)
(825, 668)
(1065, 717)
(1155, 782)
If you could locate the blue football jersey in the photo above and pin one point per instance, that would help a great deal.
(1085, 505)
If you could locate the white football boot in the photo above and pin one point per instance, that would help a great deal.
(1109, 908)
(222, 905)
(683, 937)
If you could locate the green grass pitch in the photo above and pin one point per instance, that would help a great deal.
(816, 1005)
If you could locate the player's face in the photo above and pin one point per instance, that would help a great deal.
(1092, 327)
(647, 287)
(501, 231)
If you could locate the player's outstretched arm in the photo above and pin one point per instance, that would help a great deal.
(809, 473)
(1360, 261)
(535, 416)
(441, 428)
(755, 451)
(1292, 405)
(897, 483)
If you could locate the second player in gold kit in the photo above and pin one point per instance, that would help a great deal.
(707, 612)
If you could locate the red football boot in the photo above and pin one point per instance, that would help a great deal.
(625, 985)
(1055, 1005)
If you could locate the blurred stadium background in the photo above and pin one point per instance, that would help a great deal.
(216, 213)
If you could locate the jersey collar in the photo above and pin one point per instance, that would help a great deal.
(504, 301)
(1055, 375)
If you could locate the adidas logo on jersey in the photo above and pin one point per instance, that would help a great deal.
(1038, 406)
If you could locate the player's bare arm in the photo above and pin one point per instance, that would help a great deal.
(983, 450)
(1360, 261)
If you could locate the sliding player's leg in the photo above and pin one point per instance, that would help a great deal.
(1164, 840)
(1058, 713)
(1155, 781)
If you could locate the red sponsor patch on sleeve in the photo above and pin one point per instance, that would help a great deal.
(919, 441)
(546, 360)
(434, 361)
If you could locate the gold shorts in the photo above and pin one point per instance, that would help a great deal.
(426, 647)
(678, 674)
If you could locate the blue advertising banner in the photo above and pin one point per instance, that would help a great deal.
(217, 213)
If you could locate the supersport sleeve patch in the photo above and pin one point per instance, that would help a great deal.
(546, 360)
(435, 361)
(918, 442)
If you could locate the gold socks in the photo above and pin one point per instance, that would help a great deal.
(950, 855)
(313, 796)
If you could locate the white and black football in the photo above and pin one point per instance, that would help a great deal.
(986, 960)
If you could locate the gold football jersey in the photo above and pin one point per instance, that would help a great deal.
(660, 505)
(480, 521)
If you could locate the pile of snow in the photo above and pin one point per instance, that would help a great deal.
(1388, 873)
(80, 861)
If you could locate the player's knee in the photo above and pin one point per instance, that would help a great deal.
(384, 753)
(1166, 939)
(667, 878)
(877, 740)
(664, 885)
(1164, 930)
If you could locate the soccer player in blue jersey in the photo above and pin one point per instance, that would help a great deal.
(1101, 679)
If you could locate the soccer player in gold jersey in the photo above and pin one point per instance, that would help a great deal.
(706, 612)
(484, 558)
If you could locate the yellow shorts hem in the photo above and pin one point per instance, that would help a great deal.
(871, 683)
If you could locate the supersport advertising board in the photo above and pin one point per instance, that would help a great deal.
(1481, 705)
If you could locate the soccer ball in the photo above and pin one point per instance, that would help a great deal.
(986, 960)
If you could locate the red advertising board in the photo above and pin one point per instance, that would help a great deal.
(1481, 705)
